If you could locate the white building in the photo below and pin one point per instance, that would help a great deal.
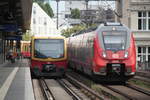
(41, 23)
(136, 15)
(69, 5)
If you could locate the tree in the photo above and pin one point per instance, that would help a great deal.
(72, 30)
(75, 13)
(46, 7)
(49, 10)
(27, 37)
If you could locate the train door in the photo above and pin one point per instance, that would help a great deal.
(144, 57)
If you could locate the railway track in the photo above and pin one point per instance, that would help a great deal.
(46, 91)
(74, 89)
(128, 91)
(86, 90)
(144, 79)
(38, 93)
(143, 74)
(138, 89)
(51, 90)
(76, 93)
(78, 90)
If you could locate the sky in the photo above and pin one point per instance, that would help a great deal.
(62, 4)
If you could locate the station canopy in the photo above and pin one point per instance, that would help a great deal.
(15, 14)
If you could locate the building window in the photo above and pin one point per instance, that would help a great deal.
(70, 2)
(34, 10)
(39, 31)
(67, 15)
(144, 57)
(139, 49)
(39, 20)
(149, 50)
(34, 21)
(144, 20)
(45, 21)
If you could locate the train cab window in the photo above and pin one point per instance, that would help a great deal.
(114, 40)
(49, 48)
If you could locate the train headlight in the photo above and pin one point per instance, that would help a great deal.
(126, 54)
(104, 54)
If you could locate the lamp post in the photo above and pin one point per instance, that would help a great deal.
(57, 12)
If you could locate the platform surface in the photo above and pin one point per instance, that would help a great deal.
(15, 81)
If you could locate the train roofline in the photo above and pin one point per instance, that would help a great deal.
(47, 36)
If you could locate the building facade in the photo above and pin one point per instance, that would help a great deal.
(69, 5)
(41, 23)
(81, 5)
(136, 15)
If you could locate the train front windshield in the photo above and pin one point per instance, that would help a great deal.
(49, 48)
(114, 40)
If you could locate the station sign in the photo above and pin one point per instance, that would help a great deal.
(9, 27)
(17, 38)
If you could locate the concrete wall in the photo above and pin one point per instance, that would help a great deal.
(134, 20)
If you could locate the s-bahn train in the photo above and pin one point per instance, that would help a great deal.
(25, 49)
(48, 56)
(106, 52)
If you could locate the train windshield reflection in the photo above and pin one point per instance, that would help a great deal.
(114, 40)
(49, 48)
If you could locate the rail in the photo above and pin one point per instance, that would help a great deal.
(94, 95)
(138, 89)
(69, 90)
(47, 93)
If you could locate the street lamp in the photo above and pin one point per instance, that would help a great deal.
(57, 11)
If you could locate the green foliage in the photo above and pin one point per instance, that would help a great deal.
(27, 37)
(49, 10)
(72, 30)
(46, 7)
(75, 13)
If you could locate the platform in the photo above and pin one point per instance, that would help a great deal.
(15, 81)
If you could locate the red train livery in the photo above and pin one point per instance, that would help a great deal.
(48, 56)
(106, 52)
(25, 49)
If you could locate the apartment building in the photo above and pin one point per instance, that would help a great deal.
(41, 23)
(136, 15)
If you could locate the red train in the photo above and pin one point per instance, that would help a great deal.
(25, 49)
(48, 56)
(106, 52)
